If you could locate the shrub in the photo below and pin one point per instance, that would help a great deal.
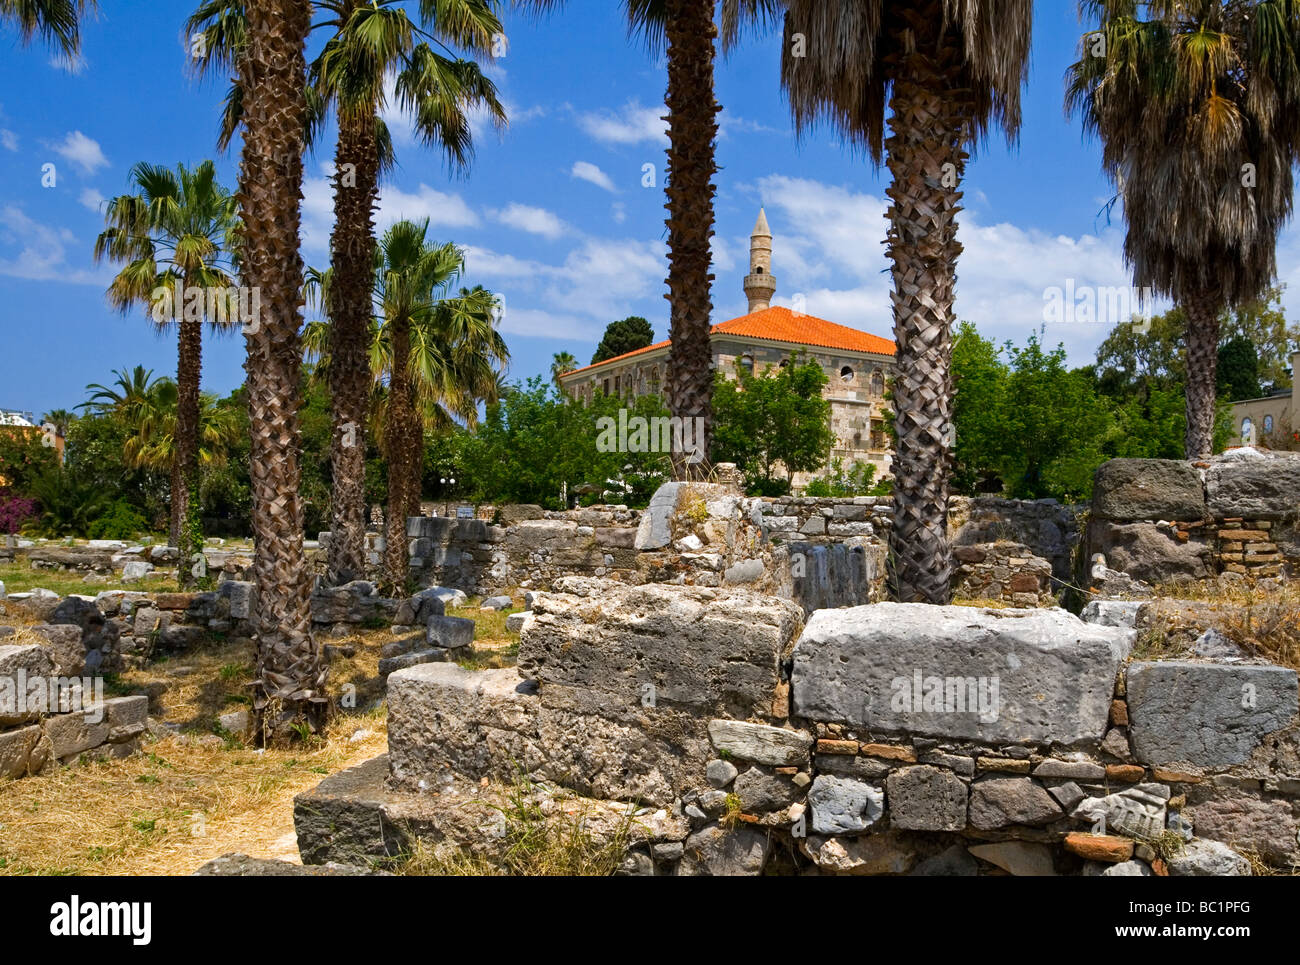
(15, 510)
(857, 480)
(120, 522)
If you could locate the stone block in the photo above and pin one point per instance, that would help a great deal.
(991, 675)
(715, 652)
(844, 805)
(1142, 489)
(1206, 714)
(926, 799)
(451, 633)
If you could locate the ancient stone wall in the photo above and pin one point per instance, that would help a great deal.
(1161, 521)
(882, 739)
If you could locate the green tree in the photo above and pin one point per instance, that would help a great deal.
(1194, 103)
(1263, 324)
(625, 335)
(771, 423)
(534, 443)
(978, 411)
(561, 364)
(177, 239)
(1237, 373)
(1055, 425)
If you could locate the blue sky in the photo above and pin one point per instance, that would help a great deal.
(553, 213)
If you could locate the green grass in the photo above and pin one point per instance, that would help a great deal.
(20, 577)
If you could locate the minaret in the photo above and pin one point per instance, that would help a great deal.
(759, 283)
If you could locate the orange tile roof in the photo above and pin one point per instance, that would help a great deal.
(780, 324)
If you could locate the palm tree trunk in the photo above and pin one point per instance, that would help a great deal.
(290, 685)
(352, 254)
(398, 436)
(692, 130)
(185, 474)
(922, 247)
(1202, 368)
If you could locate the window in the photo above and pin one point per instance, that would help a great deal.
(1268, 423)
(606, 387)
(846, 374)
(1247, 431)
(877, 383)
(758, 269)
(747, 363)
(617, 384)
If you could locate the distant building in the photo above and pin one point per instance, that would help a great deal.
(1259, 421)
(857, 363)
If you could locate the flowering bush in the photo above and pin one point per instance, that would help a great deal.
(14, 511)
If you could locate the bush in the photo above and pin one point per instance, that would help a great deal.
(15, 511)
(120, 522)
(857, 480)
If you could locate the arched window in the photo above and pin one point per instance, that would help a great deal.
(1247, 431)
(846, 374)
(747, 363)
(783, 363)
(877, 383)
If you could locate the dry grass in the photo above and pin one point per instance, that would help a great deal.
(189, 796)
(1264, 620)
(200, 792)
(538, 842)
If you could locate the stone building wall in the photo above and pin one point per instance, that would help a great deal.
(1236, 516)
(877, 740)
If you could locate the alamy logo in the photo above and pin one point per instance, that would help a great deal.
(1094, 305)
(213, 304)
(634, 433)
(23, 694)
(111, 919)
(922, 694)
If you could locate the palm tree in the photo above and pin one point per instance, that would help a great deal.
(128, 391)
(561, 364)
(369, 46)
(1198, 111)
(61, 419)
(57, 21)
(176, 237)
(152, 444)
(272, 73)
(946, 70)
(685, 30)
(434, 357)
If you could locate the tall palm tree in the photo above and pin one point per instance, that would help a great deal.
(686, 32)
(272, 73)
(561, 364)
(369, 46)
(1198, 110)
(57, 21)
(177, 238)
(434, 356)
(946, 70)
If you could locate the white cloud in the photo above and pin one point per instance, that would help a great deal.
(586, 171)
(537, 221)
(827, 248)
(42, 251)
(577, 298)
(91, 198)
(631, 124)
(442, 209)
(81, 151)
(8, 139)
(618, 211)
